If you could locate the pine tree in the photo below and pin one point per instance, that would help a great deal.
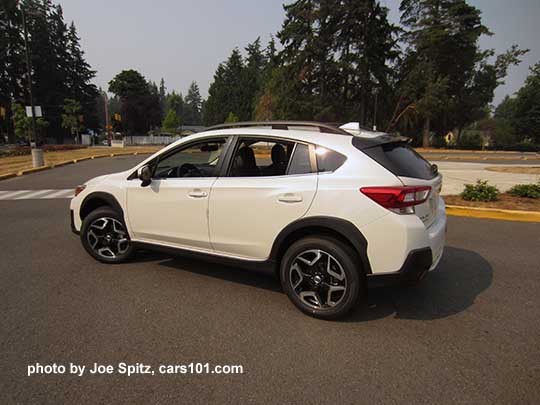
(175, 101)
(58, 68)
(253, 73)
(227, 92)
(367, 50)
(193, 100)
(162, 97)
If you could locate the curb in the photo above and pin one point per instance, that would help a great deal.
(480, 158)
(493, 213)
(7, 175)
(64, 163)
(33, 170)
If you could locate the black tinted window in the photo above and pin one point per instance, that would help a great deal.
(300, 162)
(328, 160)
(402, 160)
(261, 157)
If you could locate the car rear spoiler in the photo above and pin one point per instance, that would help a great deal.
(364, 143)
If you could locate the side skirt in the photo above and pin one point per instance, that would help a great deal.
(267, 265)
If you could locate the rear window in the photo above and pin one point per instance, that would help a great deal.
(402, 160)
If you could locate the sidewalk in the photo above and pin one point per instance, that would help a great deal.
(457, 174)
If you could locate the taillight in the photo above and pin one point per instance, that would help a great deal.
(400, 200)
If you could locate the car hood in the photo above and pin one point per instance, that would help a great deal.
(97, 180)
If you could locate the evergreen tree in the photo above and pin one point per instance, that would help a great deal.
(58, 67)
(192, 110)
(366, 46)
(227, 92)
(71, 118)
(162, 97)
(254, 73)
(527, 107)
(175, 101)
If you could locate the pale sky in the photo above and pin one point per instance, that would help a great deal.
(185, 40)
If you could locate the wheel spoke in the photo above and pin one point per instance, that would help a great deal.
(331, 290)
(106, 249)
(91, 234)
(96, 224)
(296, 269)
(341, 275)
(318, 255)
(311, 298)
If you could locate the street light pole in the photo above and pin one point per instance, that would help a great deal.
(37, 154)
(375, 111)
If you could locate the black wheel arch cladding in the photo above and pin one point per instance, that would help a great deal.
(341, 227)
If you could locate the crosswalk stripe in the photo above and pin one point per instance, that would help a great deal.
(35, 194)
(10, 195)
(60, 194)
(32, 194)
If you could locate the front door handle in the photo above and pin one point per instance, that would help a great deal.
(198, 194)
(290, 198)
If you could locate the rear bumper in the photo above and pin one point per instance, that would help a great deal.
(437, 234)
(393, 238)
(416, 265)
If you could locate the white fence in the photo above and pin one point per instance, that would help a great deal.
(150, 140)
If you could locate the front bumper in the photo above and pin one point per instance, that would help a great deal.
(72, 220)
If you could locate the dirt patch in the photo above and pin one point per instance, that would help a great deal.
(505, 202)
(17, 163)
(515, 169)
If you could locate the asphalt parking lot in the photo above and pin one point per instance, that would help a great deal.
(469, 333)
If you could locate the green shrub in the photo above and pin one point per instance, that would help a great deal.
(481, 191)
(471, 140)
(525, 190)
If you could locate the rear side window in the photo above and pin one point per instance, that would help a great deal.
(328, 160)
(300, 163)
(402, 160)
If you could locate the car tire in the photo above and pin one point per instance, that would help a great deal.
(104, 236)
(317, 288)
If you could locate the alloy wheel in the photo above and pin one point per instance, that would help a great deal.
(107, 237)
(318, 279)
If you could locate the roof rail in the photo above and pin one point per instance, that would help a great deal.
(326, 128)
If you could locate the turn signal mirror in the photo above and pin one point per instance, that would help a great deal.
(145, 174)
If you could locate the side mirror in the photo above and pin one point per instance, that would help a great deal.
(145, 174)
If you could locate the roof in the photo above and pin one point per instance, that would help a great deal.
(283, 125)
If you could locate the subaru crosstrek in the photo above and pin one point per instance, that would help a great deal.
(326, 207)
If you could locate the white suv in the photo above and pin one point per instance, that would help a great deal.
(326, 208)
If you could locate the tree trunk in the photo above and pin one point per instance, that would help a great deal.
(425, 133)
(459, 132)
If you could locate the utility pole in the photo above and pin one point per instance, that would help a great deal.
(37, 154)
(107, 125)
(375, 111)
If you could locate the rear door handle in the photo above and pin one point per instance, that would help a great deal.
(290, 198)
(198, 194)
